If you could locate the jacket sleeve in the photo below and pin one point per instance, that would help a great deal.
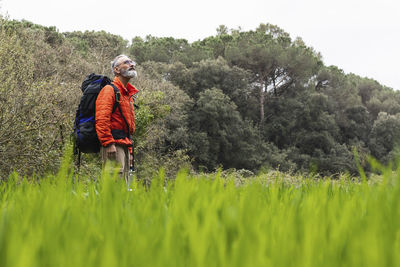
(104, 105)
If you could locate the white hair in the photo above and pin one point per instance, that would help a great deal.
(115, 62)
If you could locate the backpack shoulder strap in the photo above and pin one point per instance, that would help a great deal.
(117, 95)
(117, 105)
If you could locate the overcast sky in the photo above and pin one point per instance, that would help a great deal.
(358, 36)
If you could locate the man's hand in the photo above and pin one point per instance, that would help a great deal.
(111, 151)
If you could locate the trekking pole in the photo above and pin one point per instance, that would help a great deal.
(131, 168)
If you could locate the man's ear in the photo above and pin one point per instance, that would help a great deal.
(116, 70)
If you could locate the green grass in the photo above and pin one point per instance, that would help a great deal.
(268, 220)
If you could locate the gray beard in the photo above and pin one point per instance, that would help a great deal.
(129, 73)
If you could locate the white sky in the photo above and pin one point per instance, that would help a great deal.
(358, 36)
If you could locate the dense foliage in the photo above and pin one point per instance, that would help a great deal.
(239, 99)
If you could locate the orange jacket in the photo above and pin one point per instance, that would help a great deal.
(106, 120)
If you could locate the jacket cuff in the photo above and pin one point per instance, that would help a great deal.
(108, 143)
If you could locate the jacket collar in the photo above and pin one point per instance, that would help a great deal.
(129, 90)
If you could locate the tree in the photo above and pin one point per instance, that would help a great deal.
(98, 47)
(274, 60)
(216, 44)
(220, 136)
(385, 136)
(33, 122)
(355, 123)
(166, 50)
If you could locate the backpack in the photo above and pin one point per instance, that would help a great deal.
(84, 134)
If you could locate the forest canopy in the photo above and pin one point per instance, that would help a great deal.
(239, 99)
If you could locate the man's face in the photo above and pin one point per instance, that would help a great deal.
(127, 68)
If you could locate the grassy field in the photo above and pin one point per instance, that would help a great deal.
(268, 220)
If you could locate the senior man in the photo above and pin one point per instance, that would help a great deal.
(115, 126)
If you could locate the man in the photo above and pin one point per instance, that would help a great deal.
(113, 129)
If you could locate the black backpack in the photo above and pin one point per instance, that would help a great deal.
(84, 134)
